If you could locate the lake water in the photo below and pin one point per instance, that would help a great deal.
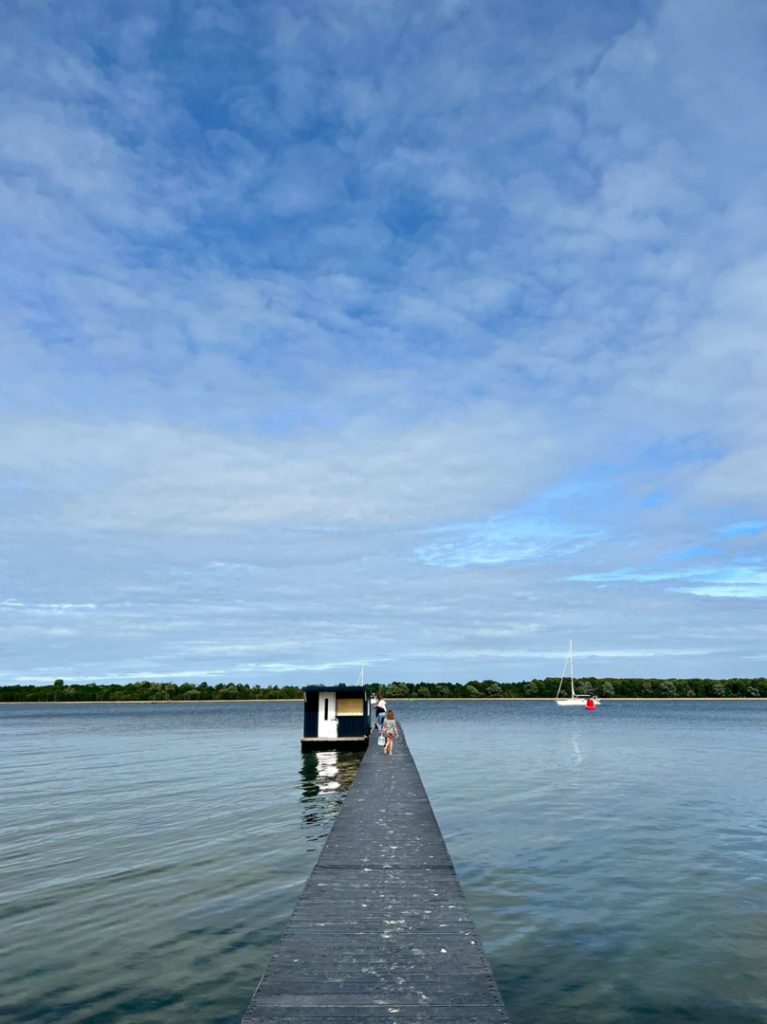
(615, 863)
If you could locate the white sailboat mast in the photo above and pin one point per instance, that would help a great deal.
(564, 670)
(572, 671)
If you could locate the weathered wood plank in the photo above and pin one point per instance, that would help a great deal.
(381, 929)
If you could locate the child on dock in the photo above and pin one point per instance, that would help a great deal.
(390, 730)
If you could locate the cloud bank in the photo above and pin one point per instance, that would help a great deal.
(346, 332)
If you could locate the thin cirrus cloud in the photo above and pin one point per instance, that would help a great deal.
(503, 539)
(749, 528)
(727, 582)
(367, 309)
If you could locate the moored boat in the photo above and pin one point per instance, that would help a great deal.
(575, 700)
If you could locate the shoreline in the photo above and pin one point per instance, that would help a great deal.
(463, 700)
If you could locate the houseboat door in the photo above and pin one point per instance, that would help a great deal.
(327, 725)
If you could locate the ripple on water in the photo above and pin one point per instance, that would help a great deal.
(614, 863)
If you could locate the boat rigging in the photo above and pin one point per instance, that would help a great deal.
(575, 700)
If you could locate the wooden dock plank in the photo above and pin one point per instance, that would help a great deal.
(381, 930)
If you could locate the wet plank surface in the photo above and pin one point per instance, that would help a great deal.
(381, 930)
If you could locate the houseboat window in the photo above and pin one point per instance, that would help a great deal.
(350, 706)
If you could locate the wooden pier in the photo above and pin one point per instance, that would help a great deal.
(381, 930)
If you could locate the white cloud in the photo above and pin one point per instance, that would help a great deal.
(142, 476)
(45, 608)
(386, 273)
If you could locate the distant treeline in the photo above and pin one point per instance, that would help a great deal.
(487, 688)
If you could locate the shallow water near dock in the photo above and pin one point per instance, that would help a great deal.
(615, 863)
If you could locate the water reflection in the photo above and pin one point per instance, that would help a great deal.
(325, 777)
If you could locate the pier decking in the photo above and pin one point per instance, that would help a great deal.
(381, 930)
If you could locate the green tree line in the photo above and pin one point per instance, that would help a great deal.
(609, 687)
(147, 690)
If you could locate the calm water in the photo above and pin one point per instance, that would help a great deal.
(615, 863)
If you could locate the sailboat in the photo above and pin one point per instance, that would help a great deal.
(575, 700)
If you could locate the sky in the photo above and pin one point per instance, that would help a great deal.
(425, 336)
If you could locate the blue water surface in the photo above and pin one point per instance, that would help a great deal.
(614, 862)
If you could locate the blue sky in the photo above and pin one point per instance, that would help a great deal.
(428, 336)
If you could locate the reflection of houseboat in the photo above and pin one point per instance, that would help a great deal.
(325, 777)
(336, 717)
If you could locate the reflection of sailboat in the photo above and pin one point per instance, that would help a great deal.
(575, 700)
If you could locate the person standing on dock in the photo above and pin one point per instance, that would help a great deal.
(380, 712)
(390, 730)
